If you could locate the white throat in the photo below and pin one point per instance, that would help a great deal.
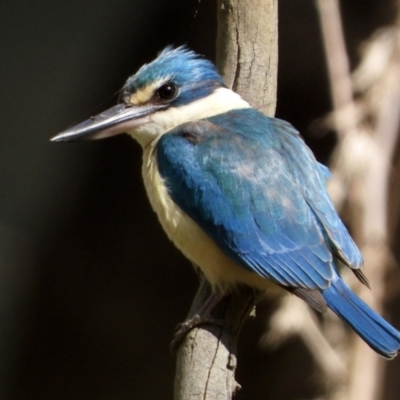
(220, 101)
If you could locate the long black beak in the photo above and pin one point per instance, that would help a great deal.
(118, 119)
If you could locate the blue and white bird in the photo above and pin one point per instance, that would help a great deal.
(239, 193)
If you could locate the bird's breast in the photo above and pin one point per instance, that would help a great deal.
(188, 237)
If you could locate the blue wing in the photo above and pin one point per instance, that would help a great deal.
(255, 188)
(304, 168)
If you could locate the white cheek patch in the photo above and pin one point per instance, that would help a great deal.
(220, 101)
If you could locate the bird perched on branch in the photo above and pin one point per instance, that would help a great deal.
(239, 193)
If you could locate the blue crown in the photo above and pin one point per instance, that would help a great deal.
(183, 67)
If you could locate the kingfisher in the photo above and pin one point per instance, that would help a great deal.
(239, 193)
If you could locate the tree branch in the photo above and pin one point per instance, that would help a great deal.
(247, 58)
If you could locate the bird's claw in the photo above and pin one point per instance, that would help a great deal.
(185, 327)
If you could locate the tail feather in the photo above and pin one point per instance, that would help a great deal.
(376, 332)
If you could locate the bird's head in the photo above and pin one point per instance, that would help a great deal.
(177, 87)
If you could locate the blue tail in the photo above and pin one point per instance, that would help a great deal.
(378, 333)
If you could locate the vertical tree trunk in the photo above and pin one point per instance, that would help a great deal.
(247, 55)
(247, 50)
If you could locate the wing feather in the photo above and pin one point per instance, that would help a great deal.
(240, 185)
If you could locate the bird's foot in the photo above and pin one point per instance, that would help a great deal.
(185, 327)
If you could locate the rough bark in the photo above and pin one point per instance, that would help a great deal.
(247, 58)
(206, 360)
(247, 50)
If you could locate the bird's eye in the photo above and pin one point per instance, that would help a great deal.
(167, 91)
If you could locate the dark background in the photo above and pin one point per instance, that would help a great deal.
(90, 288)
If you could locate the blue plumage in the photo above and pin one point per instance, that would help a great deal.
(196, 76)
(238, 192)
(378, 333)
(262, 190)
(254, 186)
